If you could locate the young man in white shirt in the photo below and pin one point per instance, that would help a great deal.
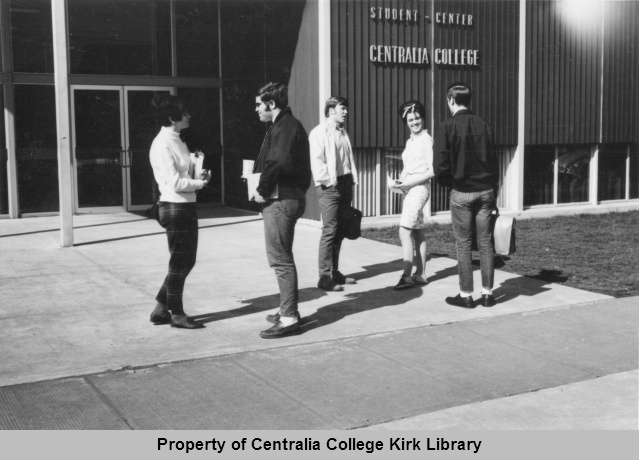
(334, 174)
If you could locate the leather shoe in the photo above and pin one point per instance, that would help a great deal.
(459, 301)
(325, 282)
(276, 317)
(341, 279)
(487, 300)
(279, 330)
(186, 324)
(164, 318)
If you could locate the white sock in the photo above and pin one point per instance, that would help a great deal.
(485, 291)
(465, 294)
(288, 320)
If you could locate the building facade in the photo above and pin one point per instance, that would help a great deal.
(556, 79)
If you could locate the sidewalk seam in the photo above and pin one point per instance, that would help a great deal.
(107, 403)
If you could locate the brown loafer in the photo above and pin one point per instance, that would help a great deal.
(279, 330)
(164, 318)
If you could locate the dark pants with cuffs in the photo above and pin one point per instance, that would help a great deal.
(180, 222)
(331, 199)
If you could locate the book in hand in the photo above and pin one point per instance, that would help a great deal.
(393, 185)
(252, 181)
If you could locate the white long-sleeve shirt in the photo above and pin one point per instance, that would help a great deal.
(172, 165)
(324, 154)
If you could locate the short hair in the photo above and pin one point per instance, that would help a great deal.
(168, 108)
(333, 102)
(460, 92)
(411, 107)
(276, 92)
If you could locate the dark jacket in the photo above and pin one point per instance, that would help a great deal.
(463, 155)
(284, 158)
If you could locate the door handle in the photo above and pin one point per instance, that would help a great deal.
(123, 158)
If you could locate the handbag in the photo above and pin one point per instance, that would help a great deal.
(504, 235)
(503, 230)
(350, 222)
(154, 212)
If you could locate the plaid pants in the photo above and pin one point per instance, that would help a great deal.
(180, 222)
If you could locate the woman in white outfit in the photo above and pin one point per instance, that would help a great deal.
(414, 182)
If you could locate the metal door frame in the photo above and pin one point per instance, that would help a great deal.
(124, 147)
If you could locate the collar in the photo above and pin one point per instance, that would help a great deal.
(463, 111)
(331, 127)
(283, 112)
(420, 134)
(168, 130)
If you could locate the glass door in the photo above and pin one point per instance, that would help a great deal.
(113, 128)
(98, 142)
(141, 127)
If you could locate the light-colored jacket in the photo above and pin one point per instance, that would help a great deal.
(324, 155)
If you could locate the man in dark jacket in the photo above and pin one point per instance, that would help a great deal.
(284, 164)
(464, 161)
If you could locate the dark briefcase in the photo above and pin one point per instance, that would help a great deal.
(350, 222)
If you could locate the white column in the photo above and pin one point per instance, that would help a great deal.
(324, 53)
(517, 165)
(594, 175)
(9, 110)
(63, 121)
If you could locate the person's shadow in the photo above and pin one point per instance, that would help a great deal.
(358, 302)
(515, 287)
(259, 304)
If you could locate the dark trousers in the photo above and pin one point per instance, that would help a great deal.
(180, 222)
(280, 217)
(466, 209)
(331, 199)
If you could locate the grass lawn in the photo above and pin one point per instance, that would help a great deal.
(594, 252)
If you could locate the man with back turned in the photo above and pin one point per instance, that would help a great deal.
(465, 162)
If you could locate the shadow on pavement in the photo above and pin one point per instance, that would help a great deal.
(358, 302)
(259, 304)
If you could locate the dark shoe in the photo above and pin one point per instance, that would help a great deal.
(487, 300)
(341, 279)
(459, 301)
(279, 330)
(276, 317)
(184, 322)
(405, 282)
(164, 318)
(325, 282)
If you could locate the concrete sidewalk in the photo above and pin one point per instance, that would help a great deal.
(78, 350)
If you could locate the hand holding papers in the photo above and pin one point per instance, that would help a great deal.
(393, 185)
(253, 180)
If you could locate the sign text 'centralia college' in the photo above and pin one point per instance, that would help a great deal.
(415, 55)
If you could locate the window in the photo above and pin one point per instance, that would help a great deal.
(120, 37)
(204, 134)
(196, 30)
(573, 174)
(36, 150)
(31, 36)
(4, 190)
(539, 166)
(634, 171)
(612, 172)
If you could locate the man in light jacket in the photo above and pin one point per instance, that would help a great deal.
(334, 173)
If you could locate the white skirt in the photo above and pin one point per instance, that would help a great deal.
(413, 207)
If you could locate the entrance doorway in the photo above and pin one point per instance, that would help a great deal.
(113, 128)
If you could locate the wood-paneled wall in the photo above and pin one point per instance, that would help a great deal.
(620, 119)
(563, 65)
(494, 82)
(376, 90)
